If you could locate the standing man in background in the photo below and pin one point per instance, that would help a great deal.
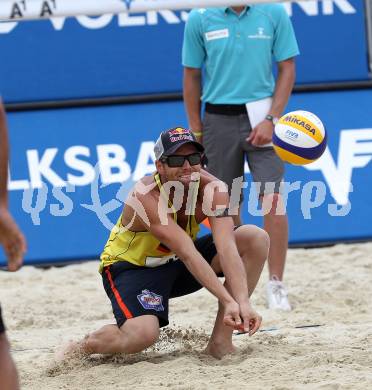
(14, 246)
(236, 47)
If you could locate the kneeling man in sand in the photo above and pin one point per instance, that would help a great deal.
(153, 254)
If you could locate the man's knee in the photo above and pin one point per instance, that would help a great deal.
(251, 238)
(149, 335)
(262, 240)
(145, 330)
(252, 233)
(135, 335)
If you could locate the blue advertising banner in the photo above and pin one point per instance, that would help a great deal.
(84, 57)
(332, 40)
(110, 55)
(66, 203)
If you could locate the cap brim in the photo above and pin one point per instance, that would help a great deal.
(174, 148)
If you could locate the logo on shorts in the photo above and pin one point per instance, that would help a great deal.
(150, 300)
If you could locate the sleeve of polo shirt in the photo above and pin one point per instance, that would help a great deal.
(285, 43)
(193, 51)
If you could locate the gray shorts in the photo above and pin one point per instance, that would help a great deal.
(224, 139)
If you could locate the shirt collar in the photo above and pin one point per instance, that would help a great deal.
(229, 9)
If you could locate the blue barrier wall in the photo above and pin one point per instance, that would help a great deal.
(332, 40)
(141, 54)
(61, 147)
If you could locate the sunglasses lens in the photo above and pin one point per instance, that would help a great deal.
(175, 161)
(194, 159)
(178, 161)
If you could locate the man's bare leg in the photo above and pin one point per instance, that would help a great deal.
(276, 225)
(277, 228)
(253, 246)
(135, 335)
(8, 371)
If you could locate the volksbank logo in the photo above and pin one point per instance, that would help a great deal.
(49, 9)
(110, 166)
(354, 151)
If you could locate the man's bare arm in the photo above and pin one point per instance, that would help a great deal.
(4, 156)
(176, 239)
(191, 96)
(230, 261)
(10, 236)
(283, 87)
(223, 235)
(263, 132)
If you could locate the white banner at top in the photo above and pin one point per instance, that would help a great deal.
(11, 10)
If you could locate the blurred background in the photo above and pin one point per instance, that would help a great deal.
(87, 97)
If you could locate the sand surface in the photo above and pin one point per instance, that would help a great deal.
(330, 286)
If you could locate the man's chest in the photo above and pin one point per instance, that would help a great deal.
(223, 34)
(185, 217)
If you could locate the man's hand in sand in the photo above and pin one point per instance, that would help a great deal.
(251, 319)
(12, 240)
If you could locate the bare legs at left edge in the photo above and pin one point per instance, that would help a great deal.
(8, 371)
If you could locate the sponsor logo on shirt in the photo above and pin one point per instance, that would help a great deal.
(260, 34)
(217, 34)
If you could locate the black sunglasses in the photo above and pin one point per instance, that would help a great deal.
(177, 161)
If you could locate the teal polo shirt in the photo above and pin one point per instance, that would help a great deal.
(237, 51)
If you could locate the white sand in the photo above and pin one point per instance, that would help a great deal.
(329, 286)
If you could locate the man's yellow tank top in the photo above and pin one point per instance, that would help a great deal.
(142, 248)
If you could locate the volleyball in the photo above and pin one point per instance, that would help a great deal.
(299, 137)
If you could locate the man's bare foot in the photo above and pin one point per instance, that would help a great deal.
(69, 350)
(219, 350)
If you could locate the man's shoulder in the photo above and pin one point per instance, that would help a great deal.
(145, 188)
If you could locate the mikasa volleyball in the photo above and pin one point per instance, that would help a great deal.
(299, 137)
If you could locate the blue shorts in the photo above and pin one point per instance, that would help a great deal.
(135, 291)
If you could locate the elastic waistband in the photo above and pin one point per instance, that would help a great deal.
(226, 109)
